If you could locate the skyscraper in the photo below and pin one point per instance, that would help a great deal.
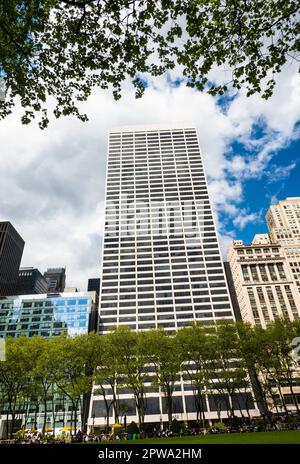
(93, 285)
(283, 220)
(11, 250)
(56, 279)
(266, 273)
(161, 263)
(263, 281)
(266, 277)
(30, 282)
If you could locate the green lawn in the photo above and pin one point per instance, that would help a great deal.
(285, 437)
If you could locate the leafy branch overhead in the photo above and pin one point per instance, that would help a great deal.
(65, 48)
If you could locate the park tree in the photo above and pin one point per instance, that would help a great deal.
(14, 378)
(131, 352)
(62, 49)
(282, 334)
(229, 370)
(163, 353)
(277, 364)
(67, 364)
(90, 350)
(251, 346)
(195, 354)
(107, 376)
(41, 378)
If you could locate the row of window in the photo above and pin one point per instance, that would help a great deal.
(142, 184)
(134, 152)
(181, 173)
(142, 187)
(211, 402)
(159, 280)
(166, 325)
(153, 168)
(164, 317)
(204, 309)
(263, 272)
(153, 152)
(150, 148)
(250, 251)
(160, 261)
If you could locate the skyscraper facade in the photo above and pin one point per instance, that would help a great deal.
(283, 220)
(266, 277)
(30, 282)
(161, 263)
(11, 250)
(93, 285)
(263, 281)
(266, 273)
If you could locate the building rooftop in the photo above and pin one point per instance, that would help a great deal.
(154, 127)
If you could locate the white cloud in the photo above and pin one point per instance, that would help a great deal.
(52, 182)
(244, 217)
(281, 172)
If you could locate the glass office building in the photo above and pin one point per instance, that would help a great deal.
(47, 315)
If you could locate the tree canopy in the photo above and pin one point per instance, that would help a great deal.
(228, 365)
(65, 48)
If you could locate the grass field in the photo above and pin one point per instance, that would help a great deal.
(285, 437)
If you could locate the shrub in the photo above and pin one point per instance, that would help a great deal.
(132, 428)
(175, 426)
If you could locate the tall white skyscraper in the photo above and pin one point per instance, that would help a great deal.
(283, 220)
(161, 263)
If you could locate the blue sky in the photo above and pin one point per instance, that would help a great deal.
(279, 180)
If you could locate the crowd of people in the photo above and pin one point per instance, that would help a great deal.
(36, 437)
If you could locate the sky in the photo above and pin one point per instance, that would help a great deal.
(52, 181)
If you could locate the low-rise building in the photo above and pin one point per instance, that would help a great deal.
(47, 315)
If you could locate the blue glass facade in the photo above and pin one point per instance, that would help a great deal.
(46, 315)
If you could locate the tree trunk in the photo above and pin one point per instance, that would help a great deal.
(45, 414)
(170, 407)
(140, 405)
(259, 395)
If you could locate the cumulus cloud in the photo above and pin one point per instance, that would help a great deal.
(281, 172)
(244, 217)
(53, 181)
